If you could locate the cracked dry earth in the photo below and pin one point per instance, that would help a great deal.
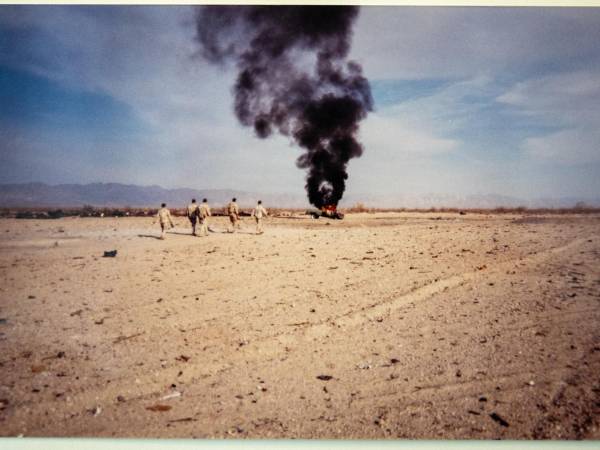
(395, 325)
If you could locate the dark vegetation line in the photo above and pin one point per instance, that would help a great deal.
(127, 211)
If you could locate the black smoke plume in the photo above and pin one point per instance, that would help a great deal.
(293, 78)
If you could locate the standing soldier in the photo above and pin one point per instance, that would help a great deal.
(192, 213)
(204, 214)
(258, 214)
(164, 217)
(234, 215)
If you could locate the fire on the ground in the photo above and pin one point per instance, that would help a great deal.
(329, 211)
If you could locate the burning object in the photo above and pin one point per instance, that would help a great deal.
(328, 211)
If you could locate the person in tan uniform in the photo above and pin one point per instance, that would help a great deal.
(234, 215)
(258, 213)
(164, 217)
(192, 213)
(204, 214)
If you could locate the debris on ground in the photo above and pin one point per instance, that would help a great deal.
(499, 419)
(324, 377)
(124, 338)
(158, 407)
(95, 411)
(235, 429)
(172, 395)
(59, 355)
(184, 419)
(110, 254)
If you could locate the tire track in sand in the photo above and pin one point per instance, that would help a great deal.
(391, 303)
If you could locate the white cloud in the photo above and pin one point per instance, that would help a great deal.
(449, 109)
(570, 101)
(391, 136)
(453, 42)
(142, 56)
(425, 127)
(575, 146)
(567, 99)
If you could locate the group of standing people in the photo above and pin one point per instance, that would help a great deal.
(199, 214)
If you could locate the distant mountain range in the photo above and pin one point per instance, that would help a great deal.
(120, 195)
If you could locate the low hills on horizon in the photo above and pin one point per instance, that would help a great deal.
(124, 195)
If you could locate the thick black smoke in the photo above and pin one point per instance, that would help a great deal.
(320, 108)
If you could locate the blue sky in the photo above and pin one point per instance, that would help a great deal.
(467, 101)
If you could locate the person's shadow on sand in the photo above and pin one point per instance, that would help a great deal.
(167, 232)
(229, 232)
(188, 233)
(148, 236)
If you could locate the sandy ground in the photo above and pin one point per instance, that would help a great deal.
(377, 326)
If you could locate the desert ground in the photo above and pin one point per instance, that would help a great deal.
(383, 325)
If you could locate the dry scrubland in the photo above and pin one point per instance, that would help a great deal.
(387, 325)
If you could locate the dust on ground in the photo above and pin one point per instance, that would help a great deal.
(390, 325)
